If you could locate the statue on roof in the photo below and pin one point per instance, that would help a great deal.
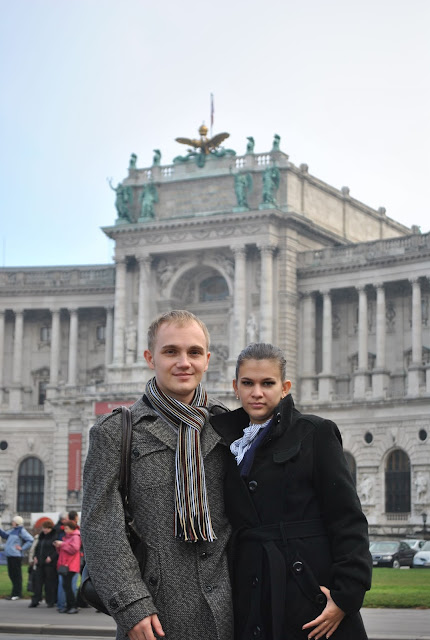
(271, 180)
(250, 144)
(123, 201)
(242, 186)
(276, 142)
(157, 158)
(148, 198)
(132, 162)
(203, 147)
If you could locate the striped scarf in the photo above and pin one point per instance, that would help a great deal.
(192, 518)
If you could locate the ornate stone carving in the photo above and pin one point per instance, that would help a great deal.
(421, 483)
(365, 490)
(390, 315)
(252, 329)
(336, 323)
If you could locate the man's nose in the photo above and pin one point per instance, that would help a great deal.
(183, 360)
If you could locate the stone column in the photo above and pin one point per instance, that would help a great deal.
(239, 303)
(61, 461)
(361, 380)
(55, 347)
(380, 377)
(326, 377)
(16, 387)
(73, 348)
(143, 306)
(415, 371)
(108, 336)
(119, 323)
(2, 325)
(266, 293)
(308, 377)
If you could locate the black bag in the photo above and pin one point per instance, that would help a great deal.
(62, 570)
(87, 590)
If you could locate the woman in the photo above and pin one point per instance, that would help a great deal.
(69, 562)
(299, 549)
(45, 566)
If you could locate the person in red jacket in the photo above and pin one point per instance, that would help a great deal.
(69, 562)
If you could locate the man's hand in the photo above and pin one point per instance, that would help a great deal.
(329, 620)
(144, 630)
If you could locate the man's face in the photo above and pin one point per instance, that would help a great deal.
(179, 359)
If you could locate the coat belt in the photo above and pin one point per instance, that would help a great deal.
(268, 535)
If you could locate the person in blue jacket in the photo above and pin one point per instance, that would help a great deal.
(17, 540)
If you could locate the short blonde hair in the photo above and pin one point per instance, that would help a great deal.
(179, 317)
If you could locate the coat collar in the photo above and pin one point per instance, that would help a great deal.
(230, 425)
(143, 413)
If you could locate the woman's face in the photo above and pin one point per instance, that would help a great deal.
(260, 388)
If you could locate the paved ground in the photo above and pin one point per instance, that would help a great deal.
(17, 618)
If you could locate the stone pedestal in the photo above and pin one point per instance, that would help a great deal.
(380, 383)
(326, 387)
(361, 384)
(415, 379)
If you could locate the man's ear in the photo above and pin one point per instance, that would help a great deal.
(207, 361)
(149, 358)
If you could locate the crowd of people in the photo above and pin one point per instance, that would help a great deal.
(55, 560)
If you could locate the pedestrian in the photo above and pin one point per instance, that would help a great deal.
(59, 528)
(17, 540)
(299, 549)
(44, 575)
(69, 562)
(185, 590)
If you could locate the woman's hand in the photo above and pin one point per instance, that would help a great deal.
(48, 559)
(329, 620)
(144, 630)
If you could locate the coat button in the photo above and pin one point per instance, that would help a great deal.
(320, 598)
(204, 555)
(257, 632)
(298, 567)
(153, 581)
(136, 453)
(278, 417)
(209, 588)
(252, 486)
(113, 603)
(255, 581)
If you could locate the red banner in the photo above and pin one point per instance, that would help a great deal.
(107, 407)
(75, 456)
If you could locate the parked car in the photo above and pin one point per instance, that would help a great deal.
(414, 543)
(422, 558)
(391, 553)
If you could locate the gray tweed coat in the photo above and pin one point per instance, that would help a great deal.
(186, 584)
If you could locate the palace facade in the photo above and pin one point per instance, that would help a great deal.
(261, 250)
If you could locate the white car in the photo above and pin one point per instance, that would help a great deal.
(422, 558)
(414, 543)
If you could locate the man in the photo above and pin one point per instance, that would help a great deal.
(185, 590)
(63, 516)
(17, 540)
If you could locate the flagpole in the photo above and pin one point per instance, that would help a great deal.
(212, 113)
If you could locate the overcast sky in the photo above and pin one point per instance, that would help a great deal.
(84, 83)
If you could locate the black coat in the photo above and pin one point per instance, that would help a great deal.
(297, 524)
(45, 547)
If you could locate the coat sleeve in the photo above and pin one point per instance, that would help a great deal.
(4, 534)
(71, 545)
(111, 564)
(27, 538)
(344, 519)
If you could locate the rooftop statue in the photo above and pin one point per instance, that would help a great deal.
(123, 201)
(157, 158)
(203, 147)
(250, 144)
(271, 180)
(242, 186)
(133, 160)
(276, 142)
(148, 198)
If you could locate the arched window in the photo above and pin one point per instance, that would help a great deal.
(352, 466)
(398, 483)
(213, 288)
(31, 480)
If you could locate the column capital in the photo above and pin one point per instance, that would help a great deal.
(238, 249)
(379, 285)
(52, 311)
(145, 259)
(415, 280)
(72, 310)
(266, 248)
(326, 292)
(120, 260)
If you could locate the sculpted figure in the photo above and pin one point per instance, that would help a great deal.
(250, 145)
(133, 160)
(251, 329)
(148, 199)
(157, 158)
(366, 489)
(271, 179)
(421, 486)
(276, 142)
(242, 186)
(123, 201)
